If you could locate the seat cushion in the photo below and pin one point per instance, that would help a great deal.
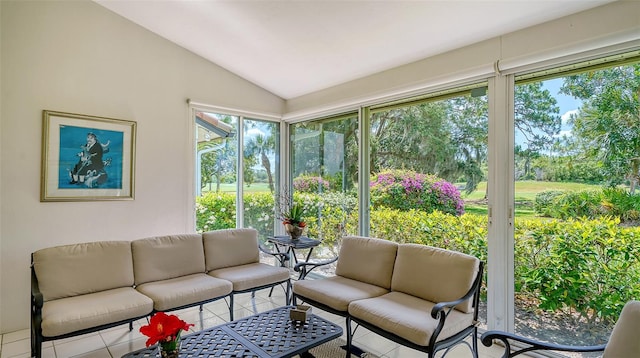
(231, 247)
(79, 269)
(367, 259)
(624, 340)
(444, 275)
(165, 257)
(408, 317)
(66, 315)
(184, 291)
(246, 277)
(336, 292)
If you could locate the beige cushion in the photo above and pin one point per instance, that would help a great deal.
(246, 277)
(232, 247)
(408, 317)
(336, 292)
(624, 341)
(71, 314)
(165, 257)
(185, 290)
(434, 274)
(366, 259)
(78, 269)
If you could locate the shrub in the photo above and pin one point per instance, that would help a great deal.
(215, 211)
(609, 202)
(310, 184)
(589, 267)
(543, 203)
(406, 190)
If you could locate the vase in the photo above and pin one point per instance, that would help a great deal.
(169, 349)
(294, 231)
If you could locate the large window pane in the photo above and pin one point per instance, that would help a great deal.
(325, 174)
(216, 171)
(576, 231)
(261, 145)
(428, 180)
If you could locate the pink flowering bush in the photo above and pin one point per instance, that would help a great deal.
(310, 184)
(406, 190)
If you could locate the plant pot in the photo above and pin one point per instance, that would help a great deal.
(294, 231)
(169, 350)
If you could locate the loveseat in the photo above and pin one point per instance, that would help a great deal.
(423, 297)
(86, 287)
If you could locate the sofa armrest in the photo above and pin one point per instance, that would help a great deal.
(282, 257)
(529, 344)
(37, 300)
(306, 267)
(473, 293)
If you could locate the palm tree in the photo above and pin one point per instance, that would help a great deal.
(263, 146)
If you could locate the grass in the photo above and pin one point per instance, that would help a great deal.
(231, 188)
(525, 194)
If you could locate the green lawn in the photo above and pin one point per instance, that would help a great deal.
(524, 196)
(231, 188)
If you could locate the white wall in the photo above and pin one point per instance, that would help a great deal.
(76, 56)
(614, 23)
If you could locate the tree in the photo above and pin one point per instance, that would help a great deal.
(262, 146)
(536, 115)
(608, 123)
(218, 161)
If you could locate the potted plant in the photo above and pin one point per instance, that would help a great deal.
(165, 330)
(292, 220)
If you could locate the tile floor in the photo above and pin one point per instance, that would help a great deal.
(118, 341)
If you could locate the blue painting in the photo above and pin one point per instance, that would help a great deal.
(90, 158)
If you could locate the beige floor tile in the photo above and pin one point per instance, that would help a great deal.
(120, 349)
(79, 346)
(100, 353)
(16, 336)
(16, 348)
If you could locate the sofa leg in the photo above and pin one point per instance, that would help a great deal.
(348, 326)
(475, 342)
(130, 326)
(231, 308)
(288, 300)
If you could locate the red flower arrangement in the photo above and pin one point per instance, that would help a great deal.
(164, 329)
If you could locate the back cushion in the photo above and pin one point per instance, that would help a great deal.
(79, 269)
(367, 260)
(434, 274)
(232, 247)
(165, 257)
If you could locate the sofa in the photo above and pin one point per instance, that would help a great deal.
(86, 287)
(422, 297)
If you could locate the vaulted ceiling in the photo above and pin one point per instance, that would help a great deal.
(292, 48)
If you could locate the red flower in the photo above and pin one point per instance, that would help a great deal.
(163, 328)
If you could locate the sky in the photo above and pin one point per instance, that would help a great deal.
(567, 104)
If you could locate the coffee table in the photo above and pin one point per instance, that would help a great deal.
(270, 334)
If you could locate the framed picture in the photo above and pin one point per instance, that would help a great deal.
(86, 158)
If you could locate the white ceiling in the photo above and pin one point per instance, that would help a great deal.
(292, 48)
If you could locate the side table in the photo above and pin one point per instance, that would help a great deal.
(293, 245)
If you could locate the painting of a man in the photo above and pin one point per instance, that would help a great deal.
(90, 167)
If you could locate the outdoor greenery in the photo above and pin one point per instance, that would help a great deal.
(406, 189)
(577, 239)
(584, 266)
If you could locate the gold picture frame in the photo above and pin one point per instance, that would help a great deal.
(87, 158)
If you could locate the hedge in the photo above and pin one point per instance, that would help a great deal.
(586, 266)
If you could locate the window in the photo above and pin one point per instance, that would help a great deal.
(324, 157)
(577, 162)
